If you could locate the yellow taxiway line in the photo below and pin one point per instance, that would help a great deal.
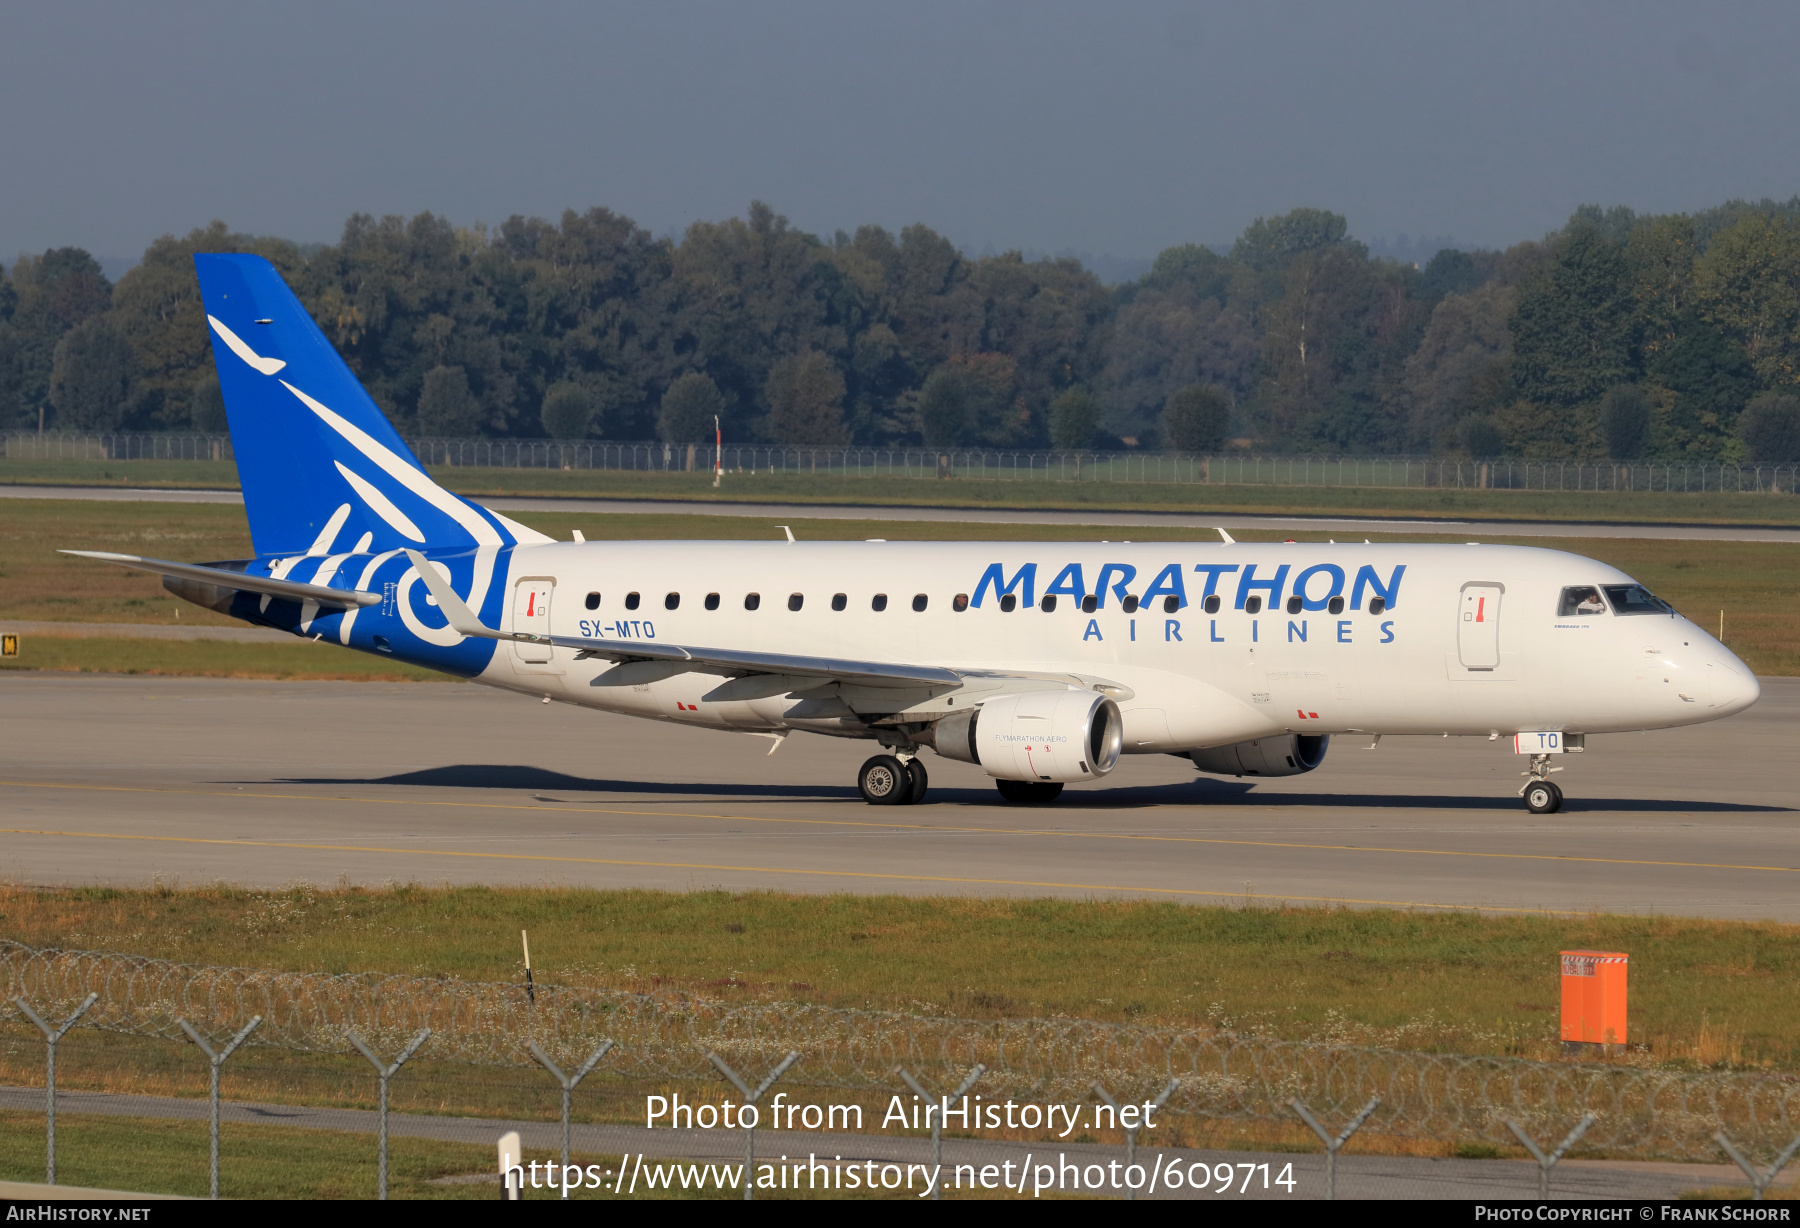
(685, 865)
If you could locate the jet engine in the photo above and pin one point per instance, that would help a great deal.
(1287, 754)
(1036, 735)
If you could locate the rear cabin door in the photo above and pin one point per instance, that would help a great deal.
(531, 614)
(1478, 626)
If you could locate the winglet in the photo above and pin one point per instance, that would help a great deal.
(462, 619)
(1229, 539)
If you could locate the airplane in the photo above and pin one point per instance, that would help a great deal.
(1042, 663)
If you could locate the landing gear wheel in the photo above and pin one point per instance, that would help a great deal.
(1030, 792)
(884, 781)
(1542, 797)
(920, 781)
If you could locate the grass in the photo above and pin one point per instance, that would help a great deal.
(1703, 993)
(1756, 584)
(797, 487)
(158, 1156)
(301, 661)
(1428, 503)
(166, 474)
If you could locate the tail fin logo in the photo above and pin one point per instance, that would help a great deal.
(268, 366)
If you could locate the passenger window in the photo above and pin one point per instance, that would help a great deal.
(1636, 599)
(712, 601)
(1377, 605)
(631, 601)
(1295, 604)
(1130, 604)
(1212, 604)
(1580, 601)
(672, 601)
(1253, 605)
(960, 602)
(752, 600)
(1335, 606)
(919, 603)
(878, 602)
(1171, 604)
(1089, 603)
(796, 600)
(1008, 603)
(593, 601)
(1049, 604)
(839, 601)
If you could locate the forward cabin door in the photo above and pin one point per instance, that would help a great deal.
(531, 614)
(1478, 626)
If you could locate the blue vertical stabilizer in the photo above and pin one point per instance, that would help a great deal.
(322, 469)
(333, 495)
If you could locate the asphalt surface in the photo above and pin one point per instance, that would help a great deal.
(1205, 523)
(1358, 1176)
(126, 780)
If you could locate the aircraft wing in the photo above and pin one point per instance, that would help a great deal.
(291, 590)
(698, 660)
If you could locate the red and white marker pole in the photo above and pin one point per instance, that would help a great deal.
(718, 452)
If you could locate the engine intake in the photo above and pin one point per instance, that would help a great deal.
(1288, 754)
(1036, 735)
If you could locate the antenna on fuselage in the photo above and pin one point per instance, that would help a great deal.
(786, 530)
(1229, 539)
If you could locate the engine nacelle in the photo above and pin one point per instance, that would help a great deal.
(1287, 754)
(1036, 735)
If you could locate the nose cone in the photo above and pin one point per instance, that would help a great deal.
(1734, 687)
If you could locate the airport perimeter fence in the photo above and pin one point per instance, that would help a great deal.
(1174, 468)
(483, 1034)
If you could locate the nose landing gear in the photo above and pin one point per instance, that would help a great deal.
(1541, 796)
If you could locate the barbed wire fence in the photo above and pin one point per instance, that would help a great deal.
(1640, 1112)
(1224, 469)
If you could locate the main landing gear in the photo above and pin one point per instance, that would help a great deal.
(1541, 796)
(893, 780)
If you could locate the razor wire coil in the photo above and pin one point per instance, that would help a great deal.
(1642, 1111)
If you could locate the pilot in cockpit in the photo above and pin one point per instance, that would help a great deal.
(1583, 600)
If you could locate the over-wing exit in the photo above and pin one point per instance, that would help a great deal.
(1042, 663)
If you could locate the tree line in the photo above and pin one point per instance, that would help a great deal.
(1619, 335)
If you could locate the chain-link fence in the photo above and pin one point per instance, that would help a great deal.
(1225, 469)
(1641, 1111)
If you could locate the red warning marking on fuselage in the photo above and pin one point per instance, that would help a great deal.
(1306, 716)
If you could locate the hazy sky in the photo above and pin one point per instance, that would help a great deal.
(1103, 128)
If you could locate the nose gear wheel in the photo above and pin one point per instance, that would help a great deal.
(1542, 797)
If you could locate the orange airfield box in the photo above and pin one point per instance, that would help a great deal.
(1593, 1002)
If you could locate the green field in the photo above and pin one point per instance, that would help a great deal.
(301, 661)
(826, 489)
(1703, 993)
(1755, 584)
(155, 1156)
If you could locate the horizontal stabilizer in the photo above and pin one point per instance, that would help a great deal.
(291, 590)
(696, 660)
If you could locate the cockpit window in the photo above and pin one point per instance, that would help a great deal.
(1636, 599)
(1580, 601)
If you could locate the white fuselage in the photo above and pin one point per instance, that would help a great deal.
(1427, 664)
